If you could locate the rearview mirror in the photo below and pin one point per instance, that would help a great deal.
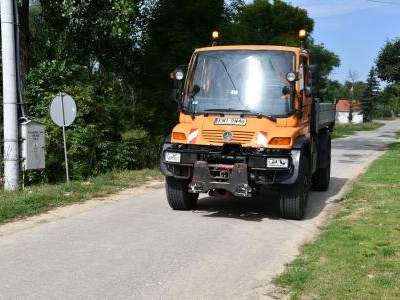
(178, 76)
(312, 74)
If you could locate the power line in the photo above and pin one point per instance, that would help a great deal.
(384, 2)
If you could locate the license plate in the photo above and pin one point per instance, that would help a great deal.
(230, 121)
(278, 163)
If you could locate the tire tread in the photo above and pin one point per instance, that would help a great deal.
(178, 195)
(291, 206)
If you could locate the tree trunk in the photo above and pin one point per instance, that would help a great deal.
(24, 38)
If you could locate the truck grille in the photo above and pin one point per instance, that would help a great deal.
(215, 136)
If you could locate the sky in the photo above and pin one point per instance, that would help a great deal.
(356, 30)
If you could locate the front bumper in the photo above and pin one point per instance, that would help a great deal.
(237, 183)
(243, 169)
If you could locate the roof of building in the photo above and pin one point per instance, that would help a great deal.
(345, 105)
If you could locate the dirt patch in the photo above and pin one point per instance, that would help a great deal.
(356, 214)
(74, 209)
(273, 292)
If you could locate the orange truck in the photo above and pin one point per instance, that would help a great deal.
(249, 121)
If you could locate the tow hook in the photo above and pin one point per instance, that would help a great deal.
(243, 190)
(195, 187)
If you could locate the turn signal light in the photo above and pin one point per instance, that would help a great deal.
(280, 141)
(179, 136)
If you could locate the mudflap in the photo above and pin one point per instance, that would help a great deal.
(237, 183)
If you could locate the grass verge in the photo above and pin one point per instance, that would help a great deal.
(342, 130)
(41, 198)
(357, 256)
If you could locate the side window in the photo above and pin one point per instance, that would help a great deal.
(301, 81)
(303, 73)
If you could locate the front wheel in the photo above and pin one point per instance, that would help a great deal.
(178, 195)
(293, 197)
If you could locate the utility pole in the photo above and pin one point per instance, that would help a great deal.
(10, 105)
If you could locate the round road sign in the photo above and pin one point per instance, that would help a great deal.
(63, 110)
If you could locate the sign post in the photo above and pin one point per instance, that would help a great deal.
(63, 114)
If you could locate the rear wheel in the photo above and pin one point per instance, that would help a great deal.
(178, 195)
(293, 197)
(322, 176)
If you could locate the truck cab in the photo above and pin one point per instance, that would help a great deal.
(249, 119)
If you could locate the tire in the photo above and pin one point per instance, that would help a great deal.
(293, 198)
(178, 195)
(322, 176)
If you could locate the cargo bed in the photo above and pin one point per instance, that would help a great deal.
(326, 115)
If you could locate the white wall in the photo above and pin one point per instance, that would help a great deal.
(343, 117)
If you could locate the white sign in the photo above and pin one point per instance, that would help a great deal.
(63, 110)
(63, 113)
(230, 121)
(279, 163)
(33, 145)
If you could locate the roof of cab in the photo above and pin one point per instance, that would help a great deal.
(249, 47)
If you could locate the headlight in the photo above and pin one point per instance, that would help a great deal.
(278, 163)
(172, 157)
(179, 75)
(291, 77)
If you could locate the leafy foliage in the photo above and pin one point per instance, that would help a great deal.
(97, 75)
(389, 101)
(371, 95)
(264, 22)
(326, 62)
(388, 62)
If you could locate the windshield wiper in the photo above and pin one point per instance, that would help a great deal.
(259, 115)
(222, 111)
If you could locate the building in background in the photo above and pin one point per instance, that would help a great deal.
(349, 111)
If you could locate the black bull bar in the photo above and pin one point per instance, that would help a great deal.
(237, 183)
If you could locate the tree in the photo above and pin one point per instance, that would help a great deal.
(353, 76)
(370, 95)
(326, 62)
(333, 91)
(388, 62)
(85, 49)
(263, 22)
(24, 37)
(389, 101)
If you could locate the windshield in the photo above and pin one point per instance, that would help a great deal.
(242, 81)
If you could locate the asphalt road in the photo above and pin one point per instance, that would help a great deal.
(139, 248)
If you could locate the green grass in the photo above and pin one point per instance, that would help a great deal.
(342, 130)
(357, 256)
(41, 198)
